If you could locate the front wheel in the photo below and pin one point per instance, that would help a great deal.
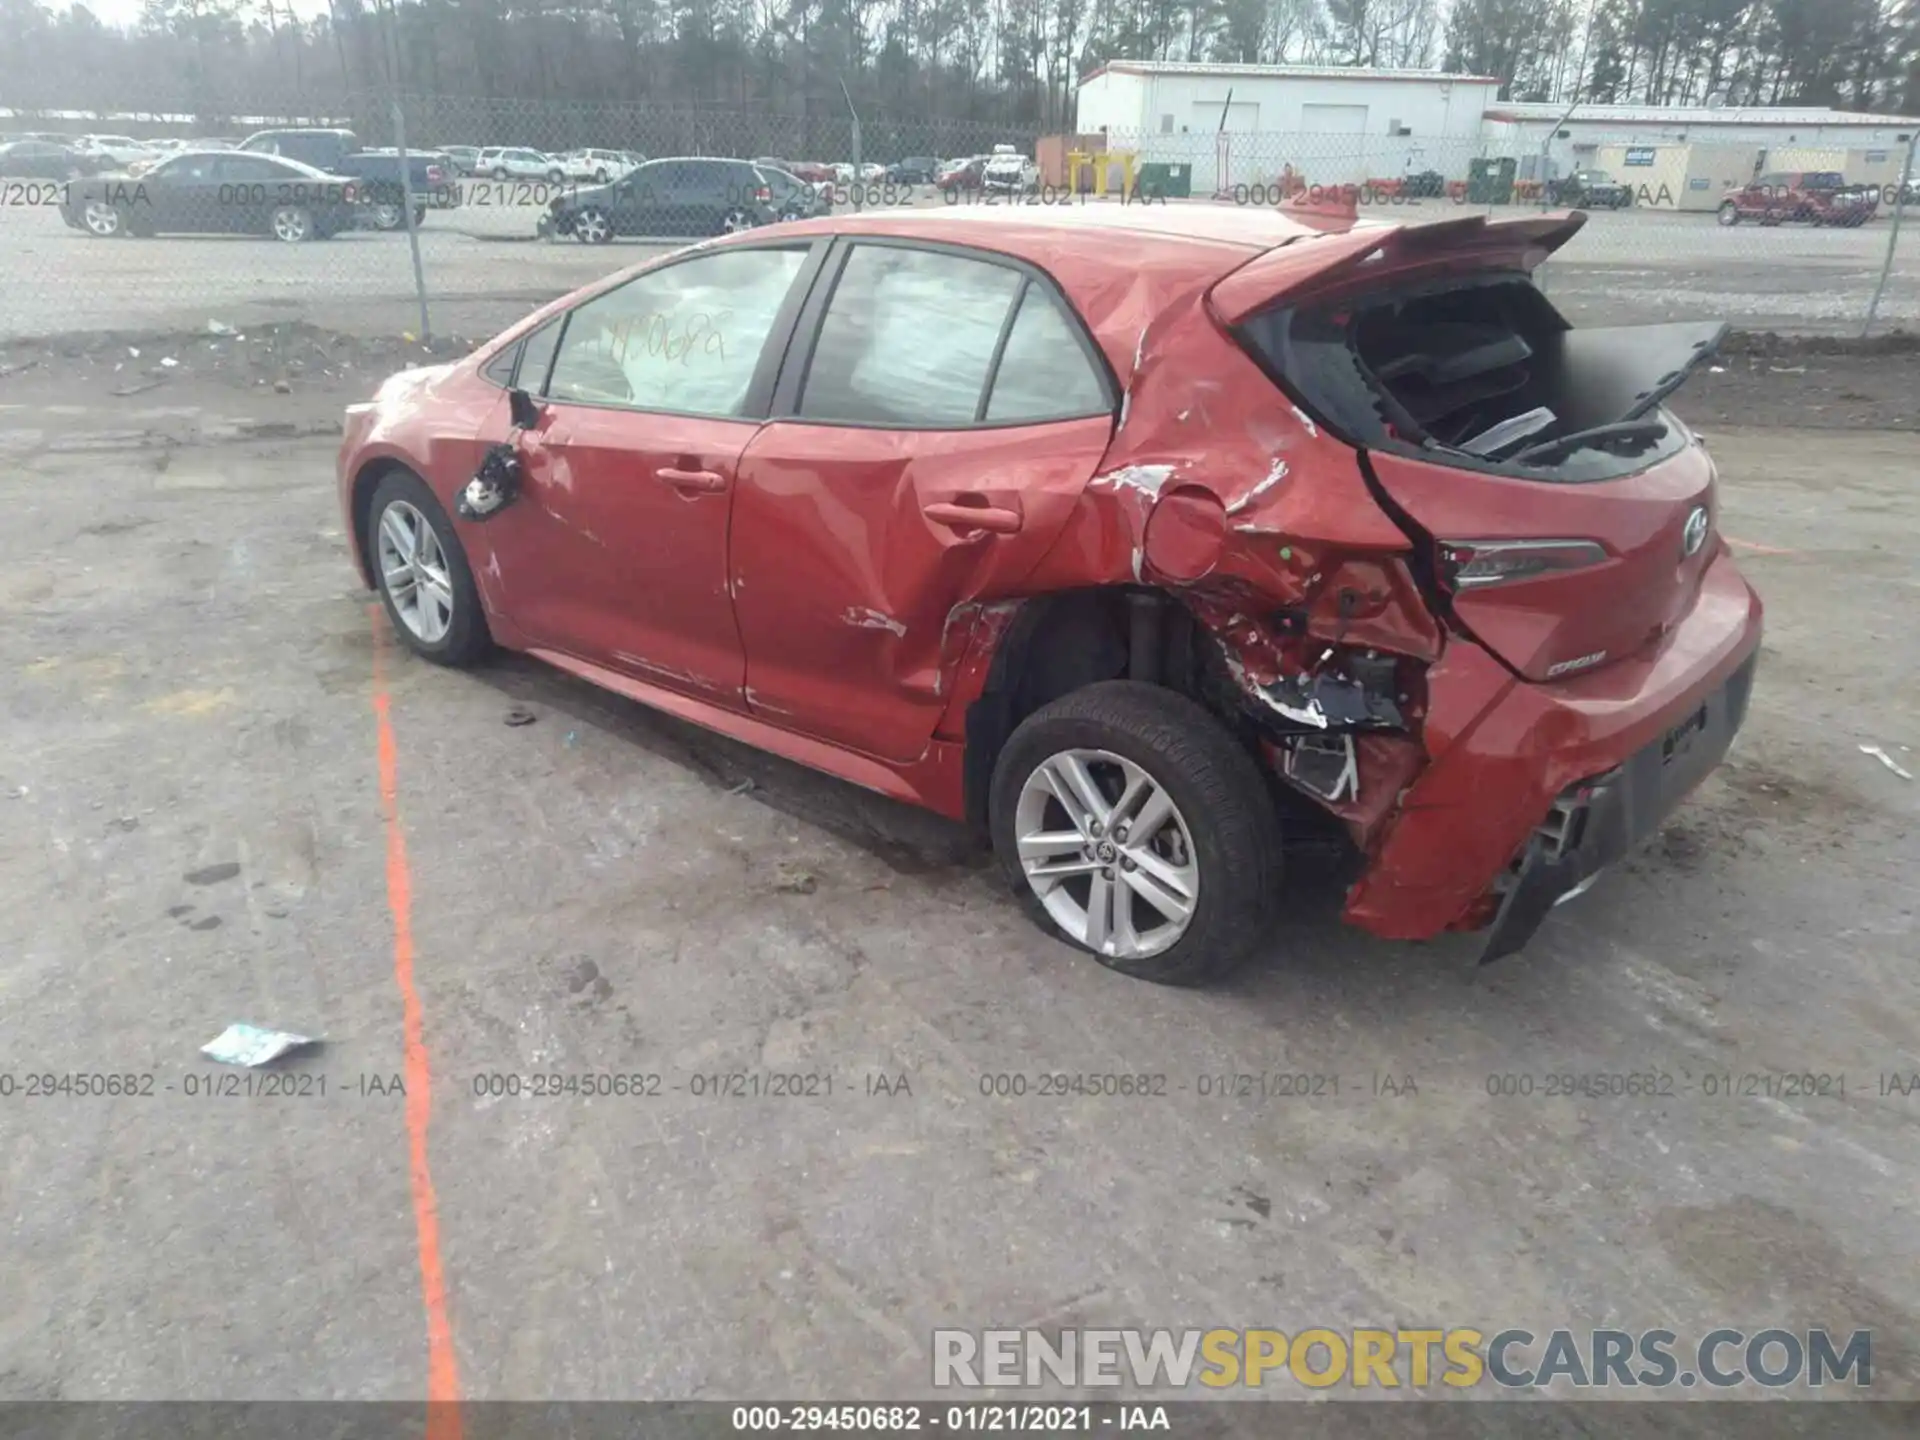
(1134, 826)
(422, 573)
(1729, 213)
(291, 224)
(104, 219)
(592, 227)
(556, 177)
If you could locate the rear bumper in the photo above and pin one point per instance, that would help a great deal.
(1531, 790)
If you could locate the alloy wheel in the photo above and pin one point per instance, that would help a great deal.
(386, 217)
(736, 221)
(591, 227)
(101, 218)
(413, 570)
(292, 224)
(1107, 853)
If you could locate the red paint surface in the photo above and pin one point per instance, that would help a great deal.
(828, 599)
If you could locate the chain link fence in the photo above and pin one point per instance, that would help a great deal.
(162, 221)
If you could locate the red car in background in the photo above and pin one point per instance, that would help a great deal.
(1818, 197)
(963, 175)
(1184, 530)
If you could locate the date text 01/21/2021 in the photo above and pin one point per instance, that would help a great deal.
(988, 1417)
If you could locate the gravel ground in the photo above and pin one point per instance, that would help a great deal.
(192, 833)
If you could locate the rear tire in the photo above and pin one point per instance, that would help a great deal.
(1220, 806)
(465, 638)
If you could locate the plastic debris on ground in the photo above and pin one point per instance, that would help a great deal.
(1887, 760)
(220, 327)
(519, 716)
(250, 1045)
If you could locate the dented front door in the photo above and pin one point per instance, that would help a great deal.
(851, 547)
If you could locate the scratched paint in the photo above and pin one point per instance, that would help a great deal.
(1274, 476)
(864, 619)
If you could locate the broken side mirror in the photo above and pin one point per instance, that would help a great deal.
(494, 485)
(524, 409)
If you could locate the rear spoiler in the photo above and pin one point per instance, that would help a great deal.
(1306, 265)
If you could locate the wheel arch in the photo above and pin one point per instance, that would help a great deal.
(366, 480)
(1056, 644)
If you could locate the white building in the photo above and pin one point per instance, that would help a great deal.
(1572, 143)
(1243, 124)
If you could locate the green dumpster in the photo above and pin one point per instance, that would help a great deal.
(1490, 182)
(1164, 180)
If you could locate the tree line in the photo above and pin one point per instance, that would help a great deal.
(1004, 63)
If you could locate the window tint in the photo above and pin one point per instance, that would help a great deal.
(500, 369)
(250, 167)
(187, 168)
(908, 338)
(537, 356)
(1043, 374)
(686, 338)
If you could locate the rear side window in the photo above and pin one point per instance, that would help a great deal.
(908, 339)
(1044, 373)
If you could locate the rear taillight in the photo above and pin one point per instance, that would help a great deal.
(1472, 564)
(435, 174)
(349, 194)
(763, 195)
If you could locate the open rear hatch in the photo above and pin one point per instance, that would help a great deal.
(1569, 517)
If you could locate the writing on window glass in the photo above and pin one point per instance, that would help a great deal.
(677, 338)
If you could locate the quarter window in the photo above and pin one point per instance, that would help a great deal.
(686, 338)
(908, 339)
(1044, 373)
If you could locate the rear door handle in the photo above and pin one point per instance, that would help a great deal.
(695, 482)
(974, 517)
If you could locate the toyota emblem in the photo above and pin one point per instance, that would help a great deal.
(1695, 535)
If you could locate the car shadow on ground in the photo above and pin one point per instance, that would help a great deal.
(1311, 946)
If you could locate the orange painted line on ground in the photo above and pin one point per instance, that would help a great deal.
(1758, 548)
(443, 1375)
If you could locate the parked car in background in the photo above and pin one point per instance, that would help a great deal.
(792, 197)
(909, 502)
(45, 160)
(599, 166)
(1590, 190)
(119, 150)
(914, 170)
(814, 172)
(686, 196)
(338, 152)
(1817, 197)
(216, 192)
(512, 162)
(464, 157)
(1007, 172)
(963, 175)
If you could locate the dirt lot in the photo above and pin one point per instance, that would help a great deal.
(193, 831)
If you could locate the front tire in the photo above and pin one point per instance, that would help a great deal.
(104, 220)
(592, 227)
(291, 224)
(421, 569)
(1729, 213)
(1134, 826)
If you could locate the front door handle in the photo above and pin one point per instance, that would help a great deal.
(694, 482)
(974, 517)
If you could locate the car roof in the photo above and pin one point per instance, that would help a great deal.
(1120, 265)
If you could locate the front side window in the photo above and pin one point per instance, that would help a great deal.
(908, 339)
(686, 338)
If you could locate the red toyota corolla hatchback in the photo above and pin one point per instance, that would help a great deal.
(1129, 534)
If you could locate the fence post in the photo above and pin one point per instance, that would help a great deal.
(1893, 239)
(406, 176)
